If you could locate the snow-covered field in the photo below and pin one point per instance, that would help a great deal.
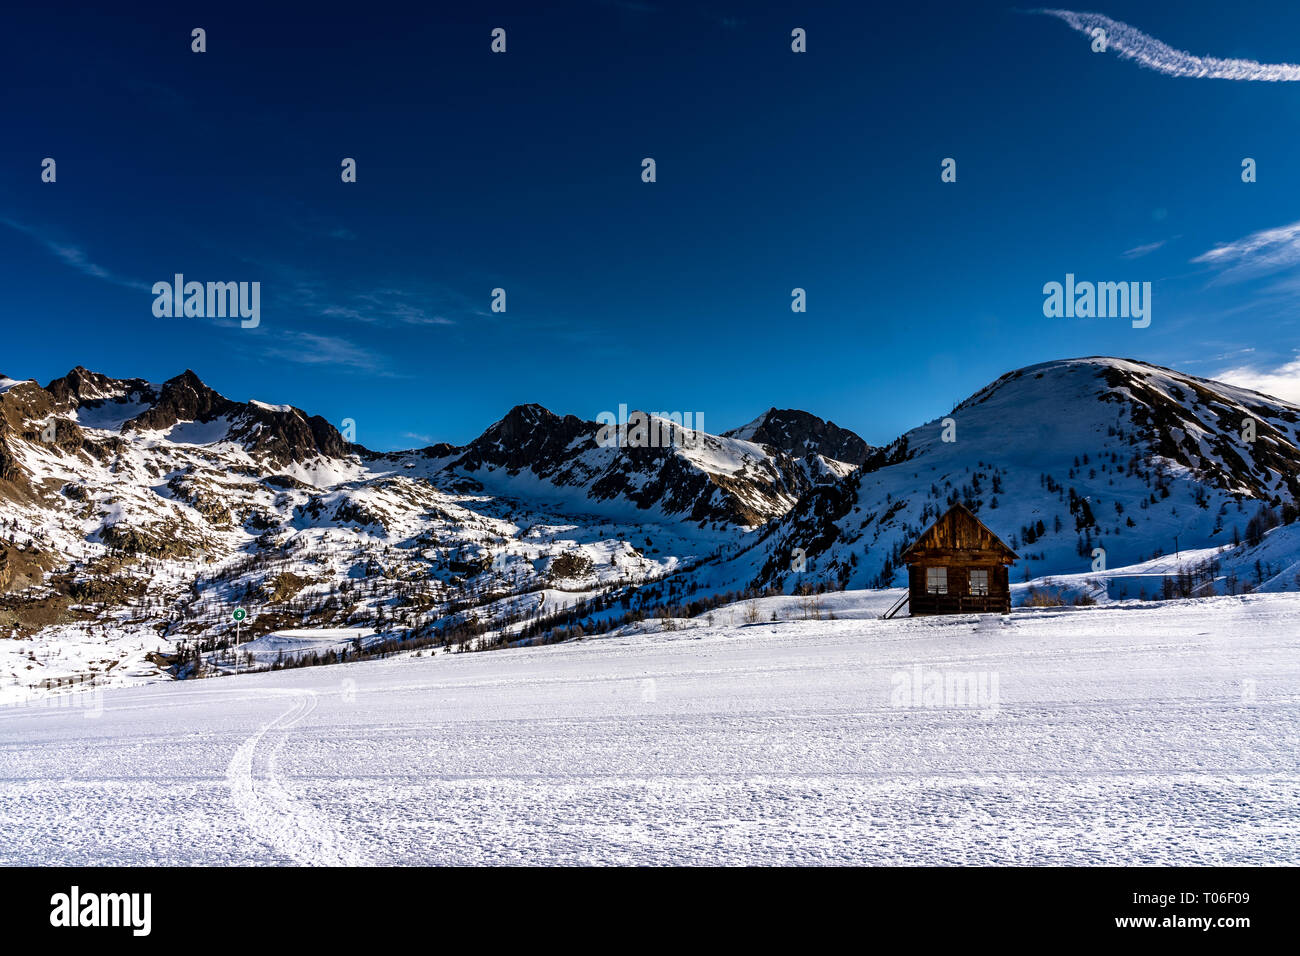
(1162, 733)
(83, 655)
(291, 644)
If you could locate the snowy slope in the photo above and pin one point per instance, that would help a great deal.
(1156, 735)
(1271, 565)
(1109, 454)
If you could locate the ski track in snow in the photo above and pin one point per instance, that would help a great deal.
(1149, 735)
(270, 812)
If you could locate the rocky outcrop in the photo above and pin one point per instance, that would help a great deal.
(801, 434)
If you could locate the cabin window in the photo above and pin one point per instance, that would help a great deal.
(979, 582)
(936, 580)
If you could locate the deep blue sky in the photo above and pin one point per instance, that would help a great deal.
(522, 170)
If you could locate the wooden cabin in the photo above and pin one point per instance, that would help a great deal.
(959, 566)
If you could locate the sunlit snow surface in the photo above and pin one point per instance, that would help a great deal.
(1136, 733)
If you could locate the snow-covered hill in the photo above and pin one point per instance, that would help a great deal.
(1079, 465)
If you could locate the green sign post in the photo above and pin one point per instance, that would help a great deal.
(238, 616)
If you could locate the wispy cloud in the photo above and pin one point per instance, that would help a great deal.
(387, 302)
(1234, 355)
(1132, 44)
(76, 257)
(310, 348)
(1282, 381)
(1258, 254)
(1137, 252)
(386, 307)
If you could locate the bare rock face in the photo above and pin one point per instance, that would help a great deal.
(801, 434)
(284, 436)
(529, 436)
(183, 399)
(82, 385)
(25, 412)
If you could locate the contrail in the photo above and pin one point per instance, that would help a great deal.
(1132, 44)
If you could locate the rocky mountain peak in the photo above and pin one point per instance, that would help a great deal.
(184, 398)
(82, 385)
(801, 434)
(528, 436)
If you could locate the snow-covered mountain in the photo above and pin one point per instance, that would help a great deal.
(804, 435)
(135, 516)
(139, 514)
(1059, 459)
(682, 474)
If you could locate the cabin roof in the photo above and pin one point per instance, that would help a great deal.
(958, 530)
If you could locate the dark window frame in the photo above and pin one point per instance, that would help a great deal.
(940, 582)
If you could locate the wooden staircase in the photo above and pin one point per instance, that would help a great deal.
(898, 606)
